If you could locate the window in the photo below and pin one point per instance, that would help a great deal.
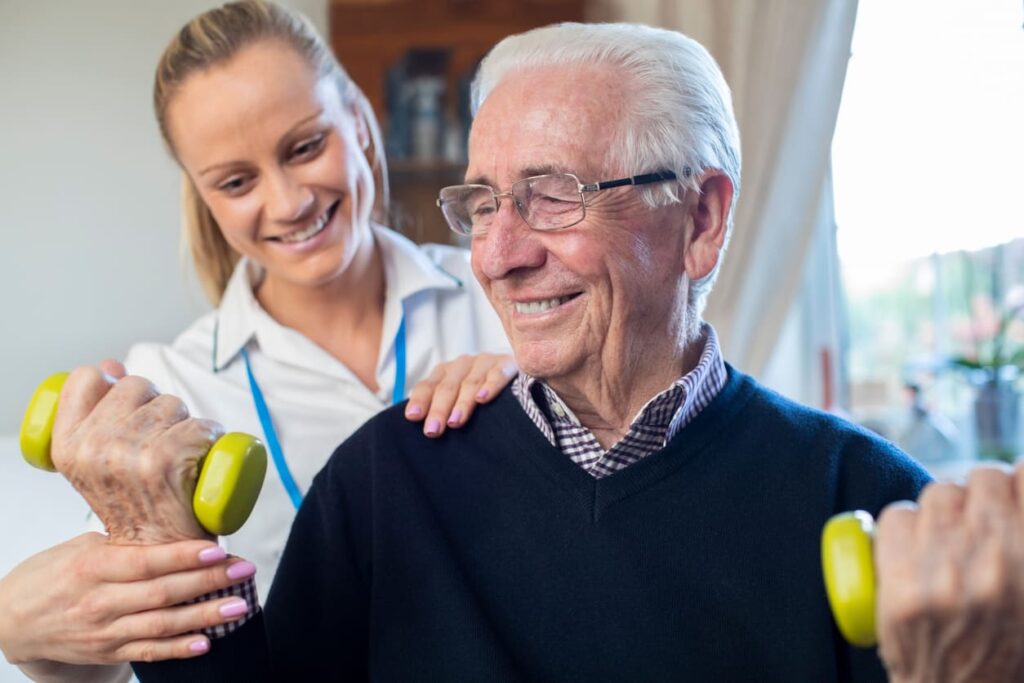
(928, 163)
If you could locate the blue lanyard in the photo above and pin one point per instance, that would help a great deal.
(268, 425)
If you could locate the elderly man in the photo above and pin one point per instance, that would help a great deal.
(633, 508)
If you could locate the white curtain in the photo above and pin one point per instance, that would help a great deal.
(785, 61)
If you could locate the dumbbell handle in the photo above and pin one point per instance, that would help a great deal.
(230, 476)
(847, 559)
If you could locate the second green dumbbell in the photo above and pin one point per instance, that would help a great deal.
(230, 476)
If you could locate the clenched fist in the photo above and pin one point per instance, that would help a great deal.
(951, 581)
(132, 453)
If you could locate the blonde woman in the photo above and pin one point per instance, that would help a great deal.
(323, 317)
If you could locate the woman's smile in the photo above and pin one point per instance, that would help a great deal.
(312, 230)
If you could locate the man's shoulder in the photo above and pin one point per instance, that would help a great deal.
(813, 423)
(389, 436)
(861, 460)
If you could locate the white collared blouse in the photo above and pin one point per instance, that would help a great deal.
(314, 400)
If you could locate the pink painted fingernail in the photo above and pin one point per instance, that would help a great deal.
(241, 570)
(214, 554)
(199, 646)
(413, 411)
(482, 394)
(455, 418)
(433, 427)
(235, 608)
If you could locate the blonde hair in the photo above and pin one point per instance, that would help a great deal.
(213, 38)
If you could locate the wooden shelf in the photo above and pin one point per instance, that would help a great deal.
(416, 167)
(414, 189)
(369, 37)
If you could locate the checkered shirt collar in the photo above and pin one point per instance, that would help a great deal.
(653, 427)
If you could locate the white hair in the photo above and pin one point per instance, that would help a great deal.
(677, 115)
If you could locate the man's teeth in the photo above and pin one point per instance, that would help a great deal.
(306, 233)
(541, 306)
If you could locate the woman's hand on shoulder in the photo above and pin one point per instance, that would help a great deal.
(90, 601)
(453, 390)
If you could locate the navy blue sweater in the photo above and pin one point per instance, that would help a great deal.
(487, 555)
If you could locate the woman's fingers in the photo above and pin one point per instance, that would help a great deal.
(499, 374)
(489, 374)
(152, 620)
(431, 399)
(450, 394)
(421, 393)
(169, 633)
(170, 622)
(124, 563)
(83, 600)
(180, 647)
(443, 410)
(175, 589)
(129, 580)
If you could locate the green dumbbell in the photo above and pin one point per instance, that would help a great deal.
(230, 476)
(847, 558)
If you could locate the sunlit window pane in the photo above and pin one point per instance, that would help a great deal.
(928, 162)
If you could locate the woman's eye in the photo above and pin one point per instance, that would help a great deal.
(309, 147)
(232, 185)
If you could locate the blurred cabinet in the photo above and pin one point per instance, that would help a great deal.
(414, 60)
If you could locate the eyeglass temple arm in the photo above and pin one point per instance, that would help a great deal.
(643, 179)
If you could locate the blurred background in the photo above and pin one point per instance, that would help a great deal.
(877, 267)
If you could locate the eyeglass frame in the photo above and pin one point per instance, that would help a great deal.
(641, 179)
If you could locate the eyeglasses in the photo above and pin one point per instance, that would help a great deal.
(546, 202)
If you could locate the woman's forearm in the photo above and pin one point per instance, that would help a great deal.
(59, 672)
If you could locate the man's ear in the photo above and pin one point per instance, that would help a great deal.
(709, 214)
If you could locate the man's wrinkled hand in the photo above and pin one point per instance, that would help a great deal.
(132, 453)
(951, 581)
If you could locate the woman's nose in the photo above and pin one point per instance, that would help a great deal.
(286, 199)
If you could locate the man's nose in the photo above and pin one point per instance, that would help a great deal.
(286, 199)
(508, 245)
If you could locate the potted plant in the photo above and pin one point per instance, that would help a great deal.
(995, 364)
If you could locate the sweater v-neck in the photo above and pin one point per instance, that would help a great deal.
(692, 444)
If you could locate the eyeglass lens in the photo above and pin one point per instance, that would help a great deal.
(547, 202)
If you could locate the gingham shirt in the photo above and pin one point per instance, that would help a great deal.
(245, 590)
(658, 421)
(653, 427)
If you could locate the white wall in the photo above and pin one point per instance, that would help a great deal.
(39, 510)
(89, 258)
(89, 255)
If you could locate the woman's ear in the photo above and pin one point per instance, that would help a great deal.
(709, 214)
(362, 129)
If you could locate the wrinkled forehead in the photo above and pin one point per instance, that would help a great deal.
(547, 119)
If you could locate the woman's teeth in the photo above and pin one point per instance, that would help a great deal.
(540, 306)
(306, 233)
